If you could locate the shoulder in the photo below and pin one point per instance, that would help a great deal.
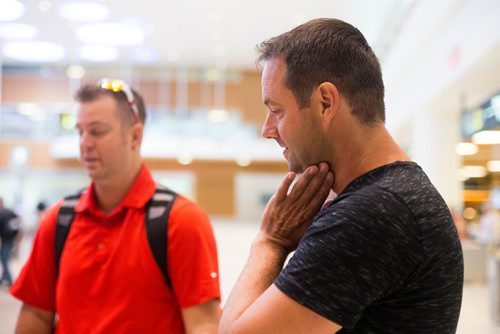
(186, 214)
(48, 222)
(370, 203)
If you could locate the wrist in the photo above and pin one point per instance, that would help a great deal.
(263, 245)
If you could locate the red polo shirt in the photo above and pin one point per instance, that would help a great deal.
(109, 281)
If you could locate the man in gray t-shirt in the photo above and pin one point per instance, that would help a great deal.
(379, 259)
(384, 256)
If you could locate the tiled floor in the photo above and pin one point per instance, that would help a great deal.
(234, 241)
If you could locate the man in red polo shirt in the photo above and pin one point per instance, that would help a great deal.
(107, 280)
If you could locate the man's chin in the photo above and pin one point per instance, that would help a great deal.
(295, 168)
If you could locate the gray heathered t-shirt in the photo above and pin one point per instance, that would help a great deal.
(383, 257)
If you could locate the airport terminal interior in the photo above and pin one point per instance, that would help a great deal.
(194, 63)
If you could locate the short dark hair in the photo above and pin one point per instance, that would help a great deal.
(330, 50)
(89, 93)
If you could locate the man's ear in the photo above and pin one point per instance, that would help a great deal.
(137, 132)
(329, 98)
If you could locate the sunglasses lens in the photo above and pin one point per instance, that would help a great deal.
(120, 86)
(115, 85)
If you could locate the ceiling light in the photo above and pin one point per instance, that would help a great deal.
(243, 161)
(486, 137)
(33, 51)
(84, 11)
(473, 171)
(17, 31)
(185, 158)
(19, 155)
(469, 213)
(115, 34)
(98, 53)
(32, 110)
(44, 5)
(466, 148)
(218, 115)
(75, 72)
(11, 10)
(493, 165)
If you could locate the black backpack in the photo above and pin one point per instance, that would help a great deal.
(156, 220)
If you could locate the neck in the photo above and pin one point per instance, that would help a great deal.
(374, 147)
(110, 192)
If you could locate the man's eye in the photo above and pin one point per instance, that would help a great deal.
(97, 132)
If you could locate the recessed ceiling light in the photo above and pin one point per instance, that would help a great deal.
(185, 158)
(34, 51)
(98, 53)
(11, 10)
(473, 171)
(17, 31)
(493, 165)
(75, 72)
(486, 137)
(243, 160)
(466, 148)
(115, 34)
(84, 11)
(218, 115)
(44, 5)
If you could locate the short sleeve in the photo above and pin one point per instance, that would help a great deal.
(192, 254)
(36, 283)
(344, 261)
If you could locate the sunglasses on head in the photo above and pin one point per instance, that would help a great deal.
(117, 86)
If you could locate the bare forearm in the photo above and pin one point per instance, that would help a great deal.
(263, 266)
(202, 318)
(34, 321)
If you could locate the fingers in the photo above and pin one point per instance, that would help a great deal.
(311, 184)
(282, 191)
(300, 186)
(321, 195)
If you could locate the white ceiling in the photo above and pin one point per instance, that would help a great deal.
(435, 55)
(215, 32)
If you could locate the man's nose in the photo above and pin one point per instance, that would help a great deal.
(269, 129)
(85, 140)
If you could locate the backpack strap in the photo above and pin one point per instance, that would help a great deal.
(65, 217)
(157, 216)
(156, 221)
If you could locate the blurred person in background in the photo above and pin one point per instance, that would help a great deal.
(488, 231)
(40, 210)
(10, 227)
(106, 279)
(384, 256)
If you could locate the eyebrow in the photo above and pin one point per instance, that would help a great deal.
(92, 124)
(267, 101)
